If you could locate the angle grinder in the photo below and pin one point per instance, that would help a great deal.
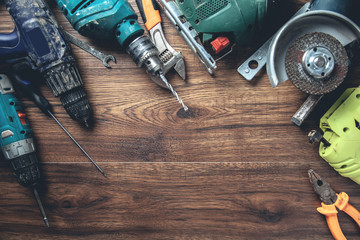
(313, 50)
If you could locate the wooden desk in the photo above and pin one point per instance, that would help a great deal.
(236, 168)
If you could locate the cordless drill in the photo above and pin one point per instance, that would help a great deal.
(40, 41)
(115, 19)
(16, 142)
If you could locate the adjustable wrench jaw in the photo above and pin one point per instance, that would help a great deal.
(170, 58)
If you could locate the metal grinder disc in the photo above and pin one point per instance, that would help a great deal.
(297, 63)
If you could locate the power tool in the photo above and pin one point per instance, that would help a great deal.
(16, 142)
(312, 50)
(117, 19)
(40, 41)
(340, 143)
(217, 25)
(22, 76)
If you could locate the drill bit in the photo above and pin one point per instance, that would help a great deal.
(168, 85)
(42, 211)
(77, 144)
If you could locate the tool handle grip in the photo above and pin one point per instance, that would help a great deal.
(332, 220)
(343, 204)
(11, 45)
(149, 13)
(334, 227)
(353, 213)
(24, 78)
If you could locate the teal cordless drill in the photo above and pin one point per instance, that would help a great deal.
(116, 19)
(16, 141)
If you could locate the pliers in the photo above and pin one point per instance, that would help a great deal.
(331, 201)
(152, 20)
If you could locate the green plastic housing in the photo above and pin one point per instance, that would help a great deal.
(341, 127)
(10, 108)
(103, 19)
(242, 18)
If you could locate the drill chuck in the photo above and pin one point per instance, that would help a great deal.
(24, 165)
(145, 55)
(65, 82)
(77, 105)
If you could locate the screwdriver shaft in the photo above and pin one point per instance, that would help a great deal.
(42, 211)
(77, 144)
(168, 85)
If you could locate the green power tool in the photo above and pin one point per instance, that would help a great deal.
(237, 19)
(340, 144)
(216, 24)
(117, 19)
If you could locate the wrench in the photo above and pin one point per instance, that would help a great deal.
(86, 47)
(152, 20)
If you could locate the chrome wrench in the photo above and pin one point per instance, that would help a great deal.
(86, 47)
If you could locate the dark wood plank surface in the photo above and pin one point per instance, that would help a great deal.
(234, 168)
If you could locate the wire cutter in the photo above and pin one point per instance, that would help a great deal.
(152, 20)
(331, 201)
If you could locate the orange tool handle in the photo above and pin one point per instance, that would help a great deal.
(332, 220)
(149, 13)
(343, 204)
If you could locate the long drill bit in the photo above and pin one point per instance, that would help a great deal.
(168, 85)
(77, 144)
(42, 211)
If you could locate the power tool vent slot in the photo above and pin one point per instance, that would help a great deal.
(87, 4)
(81, 3)
(210, 8)
(324, 125)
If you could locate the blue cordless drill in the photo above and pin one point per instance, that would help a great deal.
(40, 41)
(16, 141)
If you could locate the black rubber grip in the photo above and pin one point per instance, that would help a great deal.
(141, 9)
(27, 80)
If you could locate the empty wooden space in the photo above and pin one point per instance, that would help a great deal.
(234, 167)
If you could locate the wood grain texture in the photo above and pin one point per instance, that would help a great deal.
(235, 167)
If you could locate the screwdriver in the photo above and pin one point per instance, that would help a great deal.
(23, 69)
